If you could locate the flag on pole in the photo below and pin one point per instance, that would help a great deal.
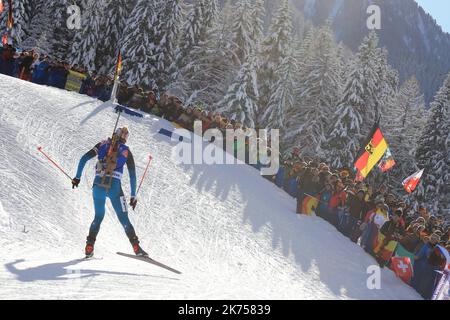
(116, 78)
(118, 67)
(10, 21)
(309, 205)
(402, 268)
(374, 149)
(403, 253)
(387, 162)
(411, 182)
(385, 250)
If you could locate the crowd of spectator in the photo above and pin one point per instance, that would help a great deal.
(29, 66)
(41, 69)
(357, 209)
(361, 212)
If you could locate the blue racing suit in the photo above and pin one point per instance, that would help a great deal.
(115, 193)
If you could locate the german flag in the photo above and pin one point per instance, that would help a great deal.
(374, 149)
(309, 205)
(118, 67)
(383, 248)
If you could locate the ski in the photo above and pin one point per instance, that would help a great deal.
(149, 260)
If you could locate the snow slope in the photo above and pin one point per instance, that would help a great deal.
(231, 233)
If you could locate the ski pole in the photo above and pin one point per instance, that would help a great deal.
(145, 173)
(54, 163)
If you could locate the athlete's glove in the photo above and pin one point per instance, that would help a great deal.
(75, 183)
(133, 203)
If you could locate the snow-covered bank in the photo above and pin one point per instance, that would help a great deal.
(233, 234)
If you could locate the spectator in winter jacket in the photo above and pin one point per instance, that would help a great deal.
(379, 215)
(423, 271)
(428, 274)
(423, 212)
(380, 193)
(373, 221)
(357, 209)
(87, 83)
(58, 75)
(446, 236)
(124, 94)
(206, 121)
(7, 60)
(152, 106)
(40, 72)
(429, 245)
(412, 240)
(137, 100)
(172, 106)
(307, 183)
(105, 93)
(324, 197)
(17, 61)
(291, 185)
(324, 175)
(186, 119)
(25, 66)
(432, 225)
(393, 229)
(390, 200)
(337, 204)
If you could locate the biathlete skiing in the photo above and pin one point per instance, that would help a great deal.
(112, 156)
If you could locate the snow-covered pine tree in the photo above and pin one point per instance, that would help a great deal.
(141, 44)
(282, 98)
(387, 86)
(241, 101)
(244, 30)
(40, 28)
(210, 12)
(169, 19)
(380, 80)
(205, 78)
(405, 123)
(274, 50)
(367, 60)
(84, 51)
(303, 49)
(62, 37)
(22, 12)
(433, 153)
(343, 138)
(195, 28)
(318, 94)
(258, 15)
(113, 25)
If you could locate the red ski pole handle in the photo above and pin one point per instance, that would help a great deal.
(54, 163)
(143, 176)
